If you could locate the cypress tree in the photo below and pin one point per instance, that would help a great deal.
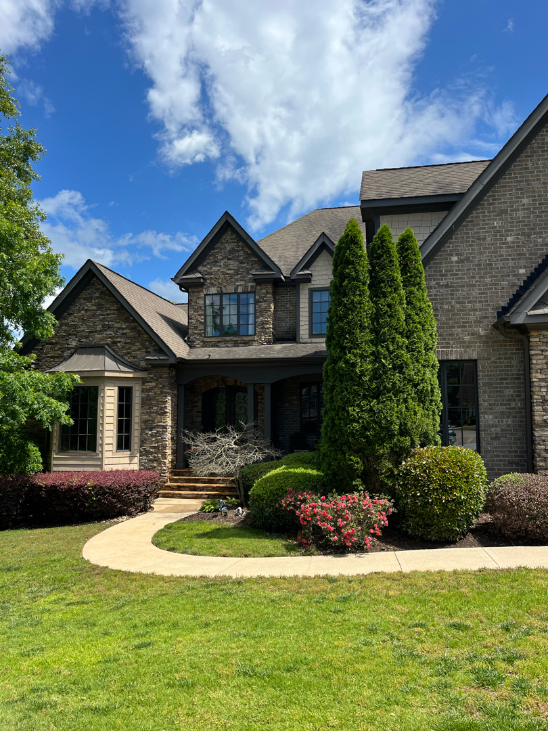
(347, 368)
(393, 419)
(421, 335)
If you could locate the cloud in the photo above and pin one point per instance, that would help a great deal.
(168, 289)
(293, 99)
(510, 27)
(79, 236)
(33, 94)
(49, 299)
(25, 23)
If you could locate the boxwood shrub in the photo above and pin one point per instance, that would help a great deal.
(518, 505)
(267, 493)
(254, 472)
(302, 459)
(440, 491)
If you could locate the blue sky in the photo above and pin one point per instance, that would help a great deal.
(157, 116)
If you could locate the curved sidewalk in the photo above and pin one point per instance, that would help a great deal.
(128, 546)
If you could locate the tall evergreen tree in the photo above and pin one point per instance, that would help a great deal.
(346, 371)
(393, 419)
(421, 335)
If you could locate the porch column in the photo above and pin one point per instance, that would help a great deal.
(250, 403)
(268, 412)
(180, 458)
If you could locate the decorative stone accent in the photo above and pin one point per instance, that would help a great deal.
(226, 269)
(285, 312)
(96, 317)
(538, 353)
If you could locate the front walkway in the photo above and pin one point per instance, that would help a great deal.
(128, 546)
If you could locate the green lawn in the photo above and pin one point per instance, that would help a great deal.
(84, 648)
(204, 538)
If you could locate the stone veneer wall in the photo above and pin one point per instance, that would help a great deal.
(538, 353)
(422, 223)
(472, 277)
(285, 312)
(228, 269)
(322, 274)
(96, 317)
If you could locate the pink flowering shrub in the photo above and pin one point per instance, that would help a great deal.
(338, 522)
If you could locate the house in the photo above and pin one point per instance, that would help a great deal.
(250, 343)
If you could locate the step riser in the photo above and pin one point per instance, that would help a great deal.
(196, 495)
(201, 480)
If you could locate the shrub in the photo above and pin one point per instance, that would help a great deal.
(267, 493)
(13, 491)
(441, 491)
(71, 497)
(518, 504)
(302, 459)
(338, 522)
(19, 455)
(249, 475)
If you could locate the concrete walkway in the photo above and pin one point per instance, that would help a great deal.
(127, 546)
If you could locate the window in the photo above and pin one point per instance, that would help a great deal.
(82, 435)
(229, 314)
(459, 419)
(125, 400)
(319, 304)
(311, 408)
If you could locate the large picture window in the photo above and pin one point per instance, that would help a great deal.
(230, 314)
(319, 304)
(125, 401)
(82, 435)
(311, 408)
(459, 419)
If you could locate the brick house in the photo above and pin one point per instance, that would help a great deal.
(250, 343)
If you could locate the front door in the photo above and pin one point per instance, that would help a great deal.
(224, 407)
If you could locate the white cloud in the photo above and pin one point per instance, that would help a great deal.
(79, 236)
(296, 99)
(168, 289)
(33, 94)
(510, 27)
(25, 23)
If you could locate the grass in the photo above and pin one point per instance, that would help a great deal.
(204, 538)
(86, 648)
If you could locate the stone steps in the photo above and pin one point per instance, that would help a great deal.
(184, 485)
(196, 495)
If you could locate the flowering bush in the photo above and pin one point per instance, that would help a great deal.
(440, 491)
(518, 505)
(338, 522)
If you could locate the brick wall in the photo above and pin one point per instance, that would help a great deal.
(285, 313)
(322, 274)
(227, 269)
(475, 273)
(538, 352)
(422, 223)
(96, 317)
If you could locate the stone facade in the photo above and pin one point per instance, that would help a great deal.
(227, 269)
(538, 353)
(472, 277)
(96, 317)
(285, 313)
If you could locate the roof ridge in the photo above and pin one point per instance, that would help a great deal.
(431, 165)
(136, 284)
(524, 286)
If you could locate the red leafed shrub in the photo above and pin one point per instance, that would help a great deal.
(338, 522)
(518, 505)
(13, 490)
(73, 497)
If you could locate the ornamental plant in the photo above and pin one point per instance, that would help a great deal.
(518, 505)
(441, 491)
(339, 523)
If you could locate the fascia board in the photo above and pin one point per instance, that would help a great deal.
(323, 242)
(410, 200)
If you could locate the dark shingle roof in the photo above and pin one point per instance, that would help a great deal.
(95, 358)
(289, 244)
(425, 180)
(278, 350)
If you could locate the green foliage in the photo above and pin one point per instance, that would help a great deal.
(302, 459)
(346, 371)
(267, 493)
(421, 336)
(19, 455)
(518, 505)
(209, 506)
(441, 491)
(249, 475)
(393, 419)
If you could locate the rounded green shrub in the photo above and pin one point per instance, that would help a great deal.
(518, 505)
(254, 472)
(19, 455)
(269, 491)
(302, 459)
(440, 491)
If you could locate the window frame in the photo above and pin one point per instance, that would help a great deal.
(311, 290)
(319, 416)
(444, 426)
(238, 334)
(129, 434)
(62, 427)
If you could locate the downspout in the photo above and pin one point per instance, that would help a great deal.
(528, 411)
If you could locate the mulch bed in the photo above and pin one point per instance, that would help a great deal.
(392, 539)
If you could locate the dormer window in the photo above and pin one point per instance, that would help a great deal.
(229, 314)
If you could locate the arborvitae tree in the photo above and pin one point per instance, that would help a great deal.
(346, 371)
(421, 336)
(393, 419)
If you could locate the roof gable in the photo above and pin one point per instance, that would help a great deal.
(529, 303)
(322, 243)
(511, 151)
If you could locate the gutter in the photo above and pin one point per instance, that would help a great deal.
(528, 410)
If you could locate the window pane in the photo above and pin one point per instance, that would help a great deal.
(459, 408)
(82, 435)
(125, 399)
(212, 315)
(247, 313)
(319, 307)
